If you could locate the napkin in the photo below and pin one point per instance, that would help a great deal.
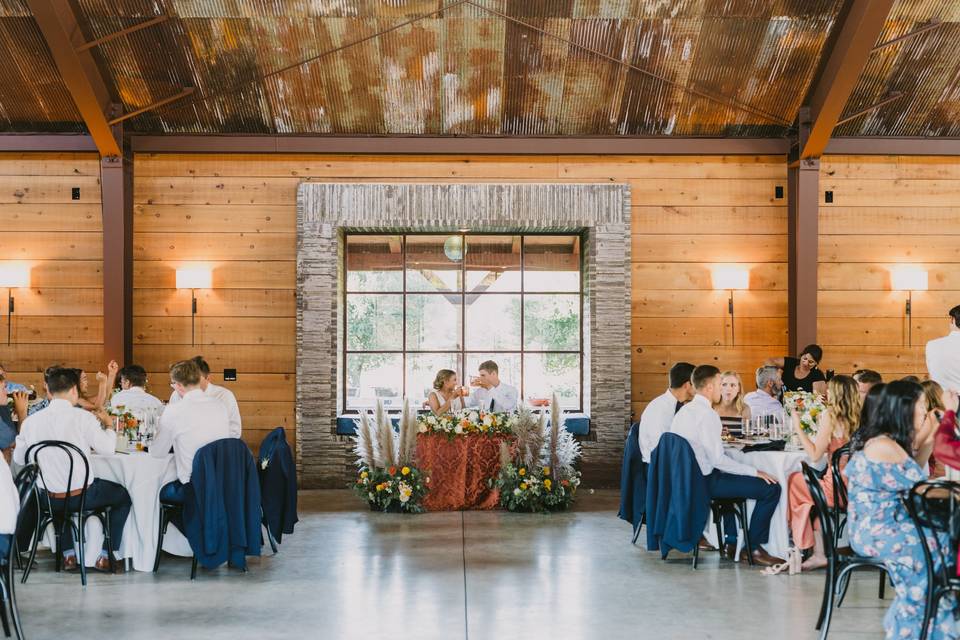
(773, 445)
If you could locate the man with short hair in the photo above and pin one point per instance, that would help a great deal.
(63, 421)
(700, 425)
(658, 415)
(133, 395)
(222, 394)
(765, 400)
(490, 393)
(943, 355)
(197, 420)
(866, 380)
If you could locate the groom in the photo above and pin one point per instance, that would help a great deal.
(491, 394)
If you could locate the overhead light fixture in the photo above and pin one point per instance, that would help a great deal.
(194, 278)
(909, 278)
(454, 249)
(13, 275)
(731, 278)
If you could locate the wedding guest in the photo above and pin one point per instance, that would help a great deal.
(802, 373)
(133, 394)
(198, 419)
(8, 426)
(447, 394)
(879, 526)
(9, 508)
(12, 387)
(866, 378)
(658, 414)
(943, 355)
(222, 394)
(765, 400)
(934, 394)
(492, 394)
(64, 421)
(731, 408)
(835, 426)
(699, 424)
(946, 443)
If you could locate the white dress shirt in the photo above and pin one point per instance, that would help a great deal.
(135, 399)
(187, 426)
(700, 425)
(228, 399)
(62, 421)
(655, 421)
(9, 499)
(762, 403)
(943, 361)
(501, 398)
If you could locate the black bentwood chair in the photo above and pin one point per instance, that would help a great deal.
(934, 506)
(26, 489)
(719, 506)
(167, 510)
(840, 502)
(839, 566)
(61, 512)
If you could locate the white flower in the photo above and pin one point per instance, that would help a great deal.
(473, 417)
(405, 492)
(487, 420)
(422, 428)
(516, 491)
(431, 420)
(264, 463)
(370, 494)
(458, 429)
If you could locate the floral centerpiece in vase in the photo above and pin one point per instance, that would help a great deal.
(125, 423)
(466, 422)
(387, 478)
(808, 406)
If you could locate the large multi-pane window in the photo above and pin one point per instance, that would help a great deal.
(418, 303)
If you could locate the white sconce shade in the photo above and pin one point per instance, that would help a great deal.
(909, 278)
(730, 277)
(14, 275)
(194, 278)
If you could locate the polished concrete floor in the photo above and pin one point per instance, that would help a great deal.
(347, 573)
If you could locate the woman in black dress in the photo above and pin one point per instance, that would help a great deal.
(802, 373)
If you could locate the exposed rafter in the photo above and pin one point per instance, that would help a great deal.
(857, 34)
(79, 71)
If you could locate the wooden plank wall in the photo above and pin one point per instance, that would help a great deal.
(59, 318)
(237, 213)
(886, 211)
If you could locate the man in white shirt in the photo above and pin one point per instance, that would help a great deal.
(658, 415)
(188, 426)
(764, 401)
(221, 393)
(133, 395)
(943, 355)
(9, 507)
(700, 425)
(63, 421)
(490, 394)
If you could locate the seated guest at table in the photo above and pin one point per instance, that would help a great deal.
(492, 394)
(801, 373)
(133, 395)
(223, 394)
(765, 400)
(658, 414)
(946, 444)
(731, 408)
(8, 426)
(64, 421)
(835, 426)
(879, 527)
(699, 424)
(866, 378)
(943, 355)
(197, 420)
(447, 394)
(9, 508)
(12, 387)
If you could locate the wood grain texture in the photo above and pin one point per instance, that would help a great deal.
(227, 274)
(213, 331)
(216, 303)
(690, 331)
(674, 219)
(699, 248)
(708, 304)
(672, 276)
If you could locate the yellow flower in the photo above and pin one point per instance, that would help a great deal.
(363, 474)
(522, 472)
(548, 483)
(523, 485)
(405, 471)
(546, 471)
(380, 487)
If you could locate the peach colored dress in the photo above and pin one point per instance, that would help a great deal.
(801, 502)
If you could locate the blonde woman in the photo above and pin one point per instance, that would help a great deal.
(447, 394)
(836, 426)
(731, 407)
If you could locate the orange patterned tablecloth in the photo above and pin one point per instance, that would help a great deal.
(459, 469)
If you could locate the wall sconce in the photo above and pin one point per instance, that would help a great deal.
(194, 278)
(731, 278)
(13, 275)
(909, 278)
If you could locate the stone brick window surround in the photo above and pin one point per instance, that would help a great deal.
(325, 211)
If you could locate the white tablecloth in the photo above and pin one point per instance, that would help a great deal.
(781, 465)
(142, 475)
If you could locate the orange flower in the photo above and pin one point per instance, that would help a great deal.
(392, 471)
(565, 483)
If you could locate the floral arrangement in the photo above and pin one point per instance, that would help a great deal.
(808, 406)
(465, 422)
(125, 421)
(386, 476)
(541, 475)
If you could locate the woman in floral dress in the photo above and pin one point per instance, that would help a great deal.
(880, 527)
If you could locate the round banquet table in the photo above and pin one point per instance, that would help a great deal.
(142, 475)
(781, 465)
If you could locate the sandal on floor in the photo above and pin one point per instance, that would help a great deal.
(777, 569)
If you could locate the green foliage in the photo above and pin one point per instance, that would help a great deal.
(394, 489)
(535, 490)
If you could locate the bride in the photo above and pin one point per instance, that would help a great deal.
(447, 395)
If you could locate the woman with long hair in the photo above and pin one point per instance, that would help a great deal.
(447, 394)
(731, 408)
(886, 460)
(835, 427)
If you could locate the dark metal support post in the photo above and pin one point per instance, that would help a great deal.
(116, 179)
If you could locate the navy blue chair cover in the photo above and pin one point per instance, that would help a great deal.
(678, 499)
(633, 483)
(278, 484)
